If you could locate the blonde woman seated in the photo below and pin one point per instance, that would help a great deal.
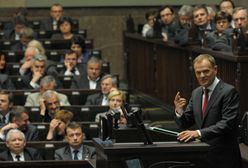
(116, 98)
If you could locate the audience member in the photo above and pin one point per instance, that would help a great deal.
(75, 150)
(211, 13)
(29, 53)
(20, 120)
(116, 99)
(49, 105)
(227, 6)
(166, 25)
(6, 104)
(185, 16)
(51, 24)
(92, 79)
(108, 82)
(16, 148)
(37, 44)
(58, 124)
(201, 26)
(79, 47)
(46, 83)
(216, 122)
(5, 82)
(13, 32)
(71, 66)
(32, 79)
(26, 35)
(240, 18)
(65, 28)
(150, 20)
(220, 39)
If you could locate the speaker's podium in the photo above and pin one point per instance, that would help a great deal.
(120, 154)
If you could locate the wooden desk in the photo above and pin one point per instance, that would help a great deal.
(113, 156)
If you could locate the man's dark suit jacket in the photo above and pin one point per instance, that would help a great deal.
(82, 82)
(31, 133)
(65, 153)
(47, 24)
(95, 99)
(29, 154)
(5, 82)
(18, 46)
(219, 124)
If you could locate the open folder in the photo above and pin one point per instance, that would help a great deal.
(164, 131)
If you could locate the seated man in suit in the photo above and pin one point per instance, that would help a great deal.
(6, 104)
(32, 79)
(75, 150)
(46, 83)
(26, 35)
(57, 126)
(71, 66)
(92, 79)
(51, 24)
(49, 105)
(14, 33)
(107, 83)
(20, 120)
(17, 150)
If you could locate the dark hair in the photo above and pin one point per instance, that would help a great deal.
(198, 7)
(65, 19)
(17, 111)
(150, 13)
(233, 5)
(223, 15)
(69, 52)
(164, 7)
(10, 95)
(73, 125)
(4, 70)
(79, 40)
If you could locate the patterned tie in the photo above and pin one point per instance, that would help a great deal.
(205, 103)
(75, 154)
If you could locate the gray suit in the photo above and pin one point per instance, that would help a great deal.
(95, 99)
(218, 126)
(33, 99)
(65, 153)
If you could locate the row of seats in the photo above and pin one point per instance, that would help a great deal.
(46, 148)
(36, 24)
(80, 112)
(48, 44)
(91, 129)
(13, 68)
(75, 96)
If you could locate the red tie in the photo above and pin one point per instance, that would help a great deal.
(205, 103)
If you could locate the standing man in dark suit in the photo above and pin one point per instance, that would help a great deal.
(75, 150)
(20, 120)
(51, 24)
(16, 142)
(214, 109)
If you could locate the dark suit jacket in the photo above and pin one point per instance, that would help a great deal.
(95, 99)
(219, 125)
(82, 82)
(29, 154)
(5, 82)
(47, 24)
(31, 133)
(18, 46)
(65, 153)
